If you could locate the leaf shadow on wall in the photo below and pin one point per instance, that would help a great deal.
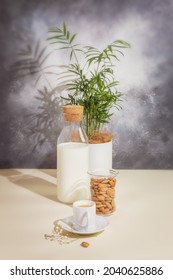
(42, 126)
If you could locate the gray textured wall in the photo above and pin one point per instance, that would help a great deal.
(30, 126)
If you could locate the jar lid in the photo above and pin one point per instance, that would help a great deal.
(73, 113)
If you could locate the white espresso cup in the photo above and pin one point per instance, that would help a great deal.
(84, 214)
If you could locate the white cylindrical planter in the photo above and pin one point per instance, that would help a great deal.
(100, 156)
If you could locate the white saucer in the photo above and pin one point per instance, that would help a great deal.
(67, 224)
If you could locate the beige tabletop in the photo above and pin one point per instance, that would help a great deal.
(141, 227)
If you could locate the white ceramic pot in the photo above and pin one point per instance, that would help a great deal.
(100, 156)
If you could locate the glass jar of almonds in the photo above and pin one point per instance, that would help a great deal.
(102, 185)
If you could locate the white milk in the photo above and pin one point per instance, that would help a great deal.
(72, 167)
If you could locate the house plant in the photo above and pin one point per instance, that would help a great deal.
(92, 84)
(88, 80)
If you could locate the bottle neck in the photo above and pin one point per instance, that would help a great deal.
(75, 131)
(72, 124)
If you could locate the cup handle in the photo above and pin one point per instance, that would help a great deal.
(87, 217)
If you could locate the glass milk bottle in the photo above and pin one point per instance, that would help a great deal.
(72, 157)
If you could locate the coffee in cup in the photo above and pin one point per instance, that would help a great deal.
(84, 205)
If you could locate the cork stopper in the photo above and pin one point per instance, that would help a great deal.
(73, 113)
(102, 137)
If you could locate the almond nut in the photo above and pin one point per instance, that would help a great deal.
(112, 183)
(109, 205)
(85, 244)
(101, 197)
(105, 181)
(101, 185)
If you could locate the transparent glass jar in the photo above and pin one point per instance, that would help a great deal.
(102, 186)
(72, 157)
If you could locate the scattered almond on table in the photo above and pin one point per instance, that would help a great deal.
(85, 244)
